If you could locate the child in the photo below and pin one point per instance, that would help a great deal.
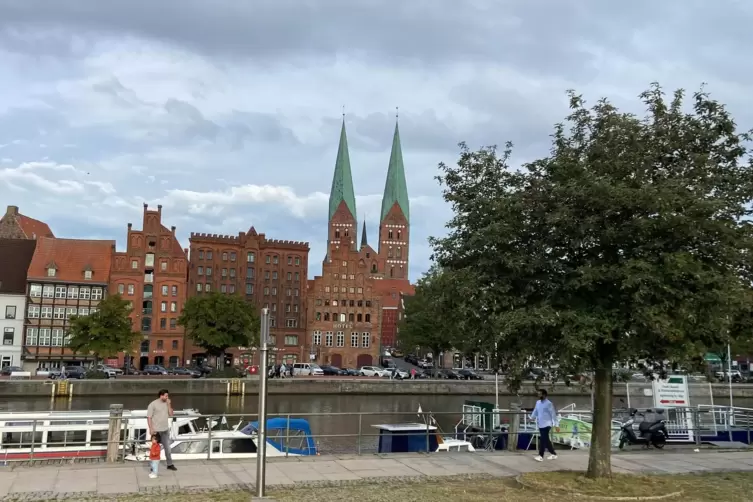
(154, 454)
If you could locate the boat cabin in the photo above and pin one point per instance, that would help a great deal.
(407, 438)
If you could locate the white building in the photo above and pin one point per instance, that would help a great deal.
(15, 257)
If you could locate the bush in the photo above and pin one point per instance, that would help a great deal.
(96, 375)
(225, 373)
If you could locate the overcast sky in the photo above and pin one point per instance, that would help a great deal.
(227, 112)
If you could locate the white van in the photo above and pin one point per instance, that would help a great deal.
(307, 369)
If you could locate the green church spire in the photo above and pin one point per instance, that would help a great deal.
(395, 189)
(342, 181)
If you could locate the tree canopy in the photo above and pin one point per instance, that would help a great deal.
(630, 240)
(218, 321)
(105, 332)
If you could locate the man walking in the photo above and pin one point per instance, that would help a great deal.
(546, 418)
(158, 418)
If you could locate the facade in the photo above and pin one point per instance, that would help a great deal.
(15, 256)
(65, 277)
(352, 306)
(14, 225)
(266, 272)
(151, 273)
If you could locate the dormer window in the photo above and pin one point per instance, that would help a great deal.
(87, 274)
(51, 272)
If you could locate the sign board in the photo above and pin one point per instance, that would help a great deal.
(312, 356)
(671, 393)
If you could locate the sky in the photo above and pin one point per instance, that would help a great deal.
(228, 112)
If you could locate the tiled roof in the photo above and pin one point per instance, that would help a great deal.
(72, 257)
(386, 288)
(15, 256)
(33, 228)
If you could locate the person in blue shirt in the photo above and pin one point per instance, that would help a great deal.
(546, 418)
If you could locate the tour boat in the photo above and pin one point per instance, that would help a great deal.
(285, 437)
(418, 437)
(76, 434)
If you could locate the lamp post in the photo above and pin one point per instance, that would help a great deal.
(261, 458)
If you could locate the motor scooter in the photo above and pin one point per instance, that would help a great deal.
(651, 432)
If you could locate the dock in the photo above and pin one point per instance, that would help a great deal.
(88, 481)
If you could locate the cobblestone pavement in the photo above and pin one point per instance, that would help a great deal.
(99, 481)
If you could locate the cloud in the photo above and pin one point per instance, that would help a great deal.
(228, 113)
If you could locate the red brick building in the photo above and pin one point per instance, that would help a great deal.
(14, 225)
(151, 273)
(66, 277)
(266, 272)
(352, 306)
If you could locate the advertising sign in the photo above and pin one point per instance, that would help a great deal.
(671, 393)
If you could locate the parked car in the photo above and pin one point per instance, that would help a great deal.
(108, 370)
(371, 371)
(724, 376)
(469, 374)
(130, 370)
(395, 373)
(430, 373)
(425, 364)
(307, 369)
(397, 353)
(184, 372)
(448, 375)
(10, 369)
(351, 371)
(74, 372)
(412, 359)
(331, 370)
(154, 369)
(202, 369)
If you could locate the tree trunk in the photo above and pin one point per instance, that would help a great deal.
(599, 459)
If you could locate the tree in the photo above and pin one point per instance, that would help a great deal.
(216, 322)
(424, 322)
(628, 241)
(105, 332)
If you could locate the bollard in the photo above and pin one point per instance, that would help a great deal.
(113, 434)
(512, 434)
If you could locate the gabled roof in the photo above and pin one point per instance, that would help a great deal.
(33, 228)
(15, 257)
(71, 258)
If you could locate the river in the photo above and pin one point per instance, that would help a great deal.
(334, 419)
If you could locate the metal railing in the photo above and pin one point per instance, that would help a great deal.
(74, 436)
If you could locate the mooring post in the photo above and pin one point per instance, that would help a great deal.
(113, 434)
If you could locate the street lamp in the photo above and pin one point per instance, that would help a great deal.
(261, 459)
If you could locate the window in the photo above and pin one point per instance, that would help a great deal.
(267, 259)
(291, 339)
(83, 311)
(96, 293)
(224, 256)
(8, 335)
(44, 337)
(163, 307)
(367, 318)
(175, 344)
(207, 287)
(33, 312)
(290, 260)
(223, 288)
(231, 288)
(49, 291)
(366, 340)
(295, 308)
(250, 273)
(50, 272)
(297, 276)
(354, 339)
(368, 303)
(291, 323)
(173, 306)
(173, 323)
(351, 291)
(274, 307)
(209, 255)
(274, 276)
(57, 337)
(290, 276)
(201, 255)
(297, 261)
(69, 311)
(224, 272)
(35, 290)
(163, 265)
(10, 311)
(131, 289)
(232, 272)
(59, 313)
(87, 274)
(232, 256)
(399, 234)
(46, 312)
(287, 307)
(318, 316)
(250, 257)
(389, 234)
(337, 233)
(163, 323)
(198, 286)
(340, 339)
(359, 317)
(134, 263)
(272, 322)
(345, 263)
(164, 290)
(249, 289)
(334, 302)
(174, 290)
(266, 291)
(275, 259)
(121, 289)
(60, 291)
(359, 291)
(200, 271)
(296, 292)
(326, 289)
(342, 317)
(31, 336)
(328, 339)
(274, 291)
(288, 292)
(351, 317)
(192, 447)
(208, 271)
(149, 260)
(317, 338)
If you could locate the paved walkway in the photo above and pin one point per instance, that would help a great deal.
(90, 481)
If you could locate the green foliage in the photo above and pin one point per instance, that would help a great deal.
(105, 332)
(225, 373)
(216, 322)
(96, 375)
(629, 241)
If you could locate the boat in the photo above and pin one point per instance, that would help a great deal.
(76, 434)
(285, 437)
(418, 437)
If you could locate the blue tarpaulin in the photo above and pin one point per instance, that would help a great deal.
(278, 427)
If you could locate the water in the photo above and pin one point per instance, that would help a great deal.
(336, 420)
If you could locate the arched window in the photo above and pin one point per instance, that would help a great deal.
(326, 316)
(351, 317)
(368, 317)
(359, 318)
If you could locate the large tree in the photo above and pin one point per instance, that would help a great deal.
(105, 332)
(628, 241)
(216, 322)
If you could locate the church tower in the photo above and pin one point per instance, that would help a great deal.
(342, 224)
(394, 224)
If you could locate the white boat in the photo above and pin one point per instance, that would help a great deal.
(76, 434)
(285, 437)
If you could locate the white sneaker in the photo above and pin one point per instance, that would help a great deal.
(552, 457)
(152, 475)
(538, 458)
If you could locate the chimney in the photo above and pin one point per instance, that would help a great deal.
(130, 225)
(159, 211)
(12, 210)
(146, 206)
(172, 229)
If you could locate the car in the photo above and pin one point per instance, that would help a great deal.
(425, 364)
(74, 372)
(397, 353)
(724, 376)
(411, 359)
(203, 369)
(469, 374)
(448, 375)
(428, 374)
(10, 369)
(184, 372)
(351, 371)
(371, 371)
(395, 373)
(130, 370)
(108, 370)
(154, 369)
(331, 370)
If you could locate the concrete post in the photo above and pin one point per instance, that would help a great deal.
(512, 435)
(113, 434)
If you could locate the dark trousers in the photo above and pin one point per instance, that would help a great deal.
(545, 444)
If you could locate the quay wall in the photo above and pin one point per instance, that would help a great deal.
(330, 386)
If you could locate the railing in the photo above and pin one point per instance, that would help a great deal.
(75, 435)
